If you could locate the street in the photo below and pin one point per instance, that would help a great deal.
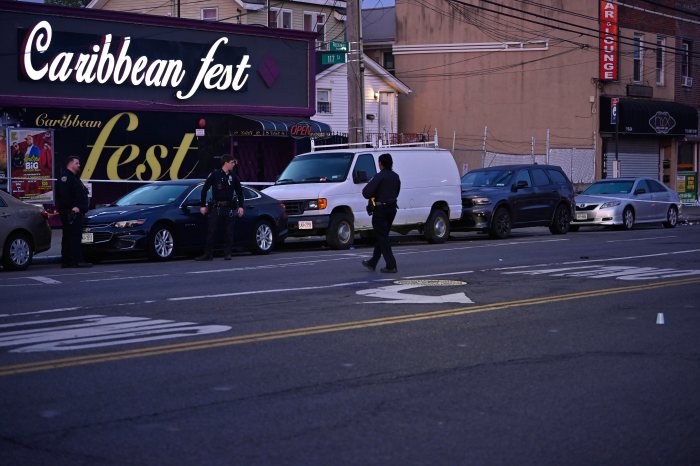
(576, 349)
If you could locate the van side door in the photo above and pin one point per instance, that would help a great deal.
(363, 171)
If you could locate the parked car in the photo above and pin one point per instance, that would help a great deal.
(498, 199)
(323, 192)
(24, 231)
(623, 202)
(162, 219)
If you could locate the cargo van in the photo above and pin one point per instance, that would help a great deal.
(322, 191)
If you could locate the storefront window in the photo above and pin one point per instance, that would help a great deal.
(686, 157)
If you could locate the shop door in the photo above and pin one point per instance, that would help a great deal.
(638, 157)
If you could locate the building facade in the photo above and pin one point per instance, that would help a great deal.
(523, 81)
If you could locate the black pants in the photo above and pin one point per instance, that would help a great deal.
(382, 219)
(215, 217)
(71, 247)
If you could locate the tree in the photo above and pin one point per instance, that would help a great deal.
(73, 3)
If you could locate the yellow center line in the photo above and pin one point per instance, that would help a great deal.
(340, 327)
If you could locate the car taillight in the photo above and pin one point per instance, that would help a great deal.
(284, 210)
(45, 214)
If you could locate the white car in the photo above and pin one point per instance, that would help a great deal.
(624, 202)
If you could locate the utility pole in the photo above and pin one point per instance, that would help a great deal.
(355, 66)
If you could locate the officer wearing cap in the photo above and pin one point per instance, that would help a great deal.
(223, 184)
(384, 187)
(72, 203)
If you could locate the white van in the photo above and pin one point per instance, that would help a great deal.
(322, 191)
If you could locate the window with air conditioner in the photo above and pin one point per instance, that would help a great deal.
(323, 100)
(316, 22)
(637, 57)
(686, 65)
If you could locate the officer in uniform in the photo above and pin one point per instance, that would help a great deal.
(72, 203)
(384, 187)
(223, 184)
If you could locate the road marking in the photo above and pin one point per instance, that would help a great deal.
(45, 311)
(45, 280)
(126, 278)
(395, 296)
(322, 329)
(278, 290)
(442, 274)
(608, 271)
(640, 239)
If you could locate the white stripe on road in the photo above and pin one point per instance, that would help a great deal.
(45, 311)
(441, 274)
(278, 290)
(640, 239)
(126, 278)
(46, 280)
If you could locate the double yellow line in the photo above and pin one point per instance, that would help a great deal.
(340, 327)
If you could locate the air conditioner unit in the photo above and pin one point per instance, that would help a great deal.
(686, 81)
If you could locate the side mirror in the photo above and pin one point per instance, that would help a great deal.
(520, 185)
(359, 176)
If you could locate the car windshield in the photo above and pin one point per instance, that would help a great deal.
(153, 194)
(483, 178)
(319, 167)
(610, 187)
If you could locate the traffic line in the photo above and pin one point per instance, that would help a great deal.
(322, 329)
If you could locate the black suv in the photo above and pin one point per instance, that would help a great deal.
(496, 199)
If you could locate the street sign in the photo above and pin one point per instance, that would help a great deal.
(338, 46)
(613, 110)
(332, 58)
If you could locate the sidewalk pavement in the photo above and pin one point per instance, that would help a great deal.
(689, 215)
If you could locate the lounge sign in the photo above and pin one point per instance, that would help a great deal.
(609, 48)
(109, 62)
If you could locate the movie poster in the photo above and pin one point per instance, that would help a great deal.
(3, 160)
(30, 156)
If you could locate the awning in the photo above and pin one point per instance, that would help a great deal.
(650, 117)
(250, 125)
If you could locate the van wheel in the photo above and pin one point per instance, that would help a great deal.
(562, 220)
(18, 252)
(341, 231)
(500, 224)
(671, 217)
(437, 228)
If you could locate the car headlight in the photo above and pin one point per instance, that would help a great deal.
(481, 201)
(129, 223)
(607, 205)
(317, 204)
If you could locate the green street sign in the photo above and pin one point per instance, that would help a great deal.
(338, 46)
(332, 58)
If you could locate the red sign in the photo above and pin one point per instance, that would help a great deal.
(609, 45)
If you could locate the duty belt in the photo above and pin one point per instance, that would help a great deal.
(223, 203)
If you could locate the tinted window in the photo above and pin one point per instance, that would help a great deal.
(642, 184)
(153, 194)
(249, 194)
(540, 177)
(557, 176)
(480, 178)
(523, 175)
(610, 187)
(656, 187)
(317, 167)
(365, 163)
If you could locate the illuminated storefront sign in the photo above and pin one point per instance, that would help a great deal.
(609, 45)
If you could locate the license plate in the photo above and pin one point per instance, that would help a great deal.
(306, 225)
(87, 238)
(581, 216)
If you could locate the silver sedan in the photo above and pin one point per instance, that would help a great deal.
(624, 202)
(24, 231)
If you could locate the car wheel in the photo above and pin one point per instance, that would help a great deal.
(264, 238)
(161, 243)
(562, 220)
(340, 232)
(671, 217)
(574, 228)
(627, 218)
(18, 252)
(500, 224)
(437, 228)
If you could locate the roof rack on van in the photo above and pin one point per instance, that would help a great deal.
(379, 145)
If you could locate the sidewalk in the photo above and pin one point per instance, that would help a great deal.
(689, 215)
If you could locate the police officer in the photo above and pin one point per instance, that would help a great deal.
(72, 203)
(223, 184)
(384, 187)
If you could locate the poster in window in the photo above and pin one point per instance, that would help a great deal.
(30, 157)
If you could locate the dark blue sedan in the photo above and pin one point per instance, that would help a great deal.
(162, 219)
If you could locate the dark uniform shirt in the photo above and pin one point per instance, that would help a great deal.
(384, 187)
(223, 187)
(71, 192)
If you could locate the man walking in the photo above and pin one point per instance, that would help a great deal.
(223, 184)
(384, 187)
(72, 203)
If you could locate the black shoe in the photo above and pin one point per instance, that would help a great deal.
(204, 257)
(227, 257)
(83, 265)
(368, 265)
(385, 270)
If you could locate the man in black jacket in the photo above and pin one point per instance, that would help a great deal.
(384, 187)
(223, 184)
(72, 203)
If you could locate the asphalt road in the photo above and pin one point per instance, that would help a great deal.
(579, 349)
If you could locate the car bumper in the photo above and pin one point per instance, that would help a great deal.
(42, 239)
(299, 226)
(597, 217)
(113, 241)
(473, 219)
